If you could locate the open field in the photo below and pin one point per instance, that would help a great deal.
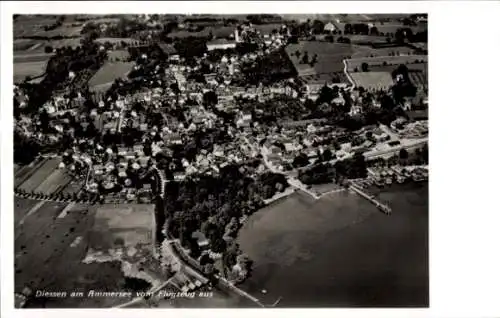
(268, 28)
(68, 31)
(74, 186)
(359, 38)
(38, 46)
(413, 67)
(392, 16)
(31, 69)
(21, 207)
(40, 175)
(417, 72)
(383, 28)
(419, 79)
(367, 52)
(122, 55)
(330, 56)
(218, 31)
(321, 78)
(24, 44)
(24, 172)
(379, 60)
(49, 253)
(32, 57)
(127, 225)
(28, 25)
(109, 72)
(54, 183)
(372, 80)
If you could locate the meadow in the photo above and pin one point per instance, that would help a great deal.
(109, 72)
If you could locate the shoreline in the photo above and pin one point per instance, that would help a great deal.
(367, 222)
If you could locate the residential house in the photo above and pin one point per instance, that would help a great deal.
(220, 44)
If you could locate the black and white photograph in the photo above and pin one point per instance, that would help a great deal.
(214, 160)
(223, 160)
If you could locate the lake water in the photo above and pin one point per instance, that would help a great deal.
(341, 251)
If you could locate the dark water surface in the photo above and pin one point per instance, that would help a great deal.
(341, 251)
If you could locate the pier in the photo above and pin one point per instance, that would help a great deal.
(382, 207)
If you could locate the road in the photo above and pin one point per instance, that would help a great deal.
(389, 132)
(294, 182)
(348, 75)
(406, 144)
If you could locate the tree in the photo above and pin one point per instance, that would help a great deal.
(327, 155)
(301, 160)
(374, 31)
(305, 58)
(48, 49)
(403, 154)
(347, 28)
(364, 67)
(210, 98)
(318, 27)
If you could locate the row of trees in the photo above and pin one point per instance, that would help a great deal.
(60, 196)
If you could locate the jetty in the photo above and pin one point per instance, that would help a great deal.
(382, 207)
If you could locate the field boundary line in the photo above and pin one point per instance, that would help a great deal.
(33, 210)
(65, 211)
(353, 84)
(386, 56)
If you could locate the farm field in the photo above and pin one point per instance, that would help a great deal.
(324, 77)
(32, 57)
(109, 72)
(40, 175)
(359, 38)
(49, 242)
(392, 16)
(217, 31)
(31, 69)
(21, 45)
(330, 56)
(379, 60)
(28, 25)
(419, 79)
(73, 186)
(383, 28)
(122, 55)
(38, 46)
(21, 207)
(129, 225)
(24, 172)
(55, 182)
(372, 80)
(267, 28)
(60, 31)
(367, 52)
(414, 67)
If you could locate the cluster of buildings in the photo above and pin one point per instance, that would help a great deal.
(171, 109)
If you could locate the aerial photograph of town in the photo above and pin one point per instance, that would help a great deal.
(220, 161)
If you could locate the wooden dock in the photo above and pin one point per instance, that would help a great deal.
(382, 207)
